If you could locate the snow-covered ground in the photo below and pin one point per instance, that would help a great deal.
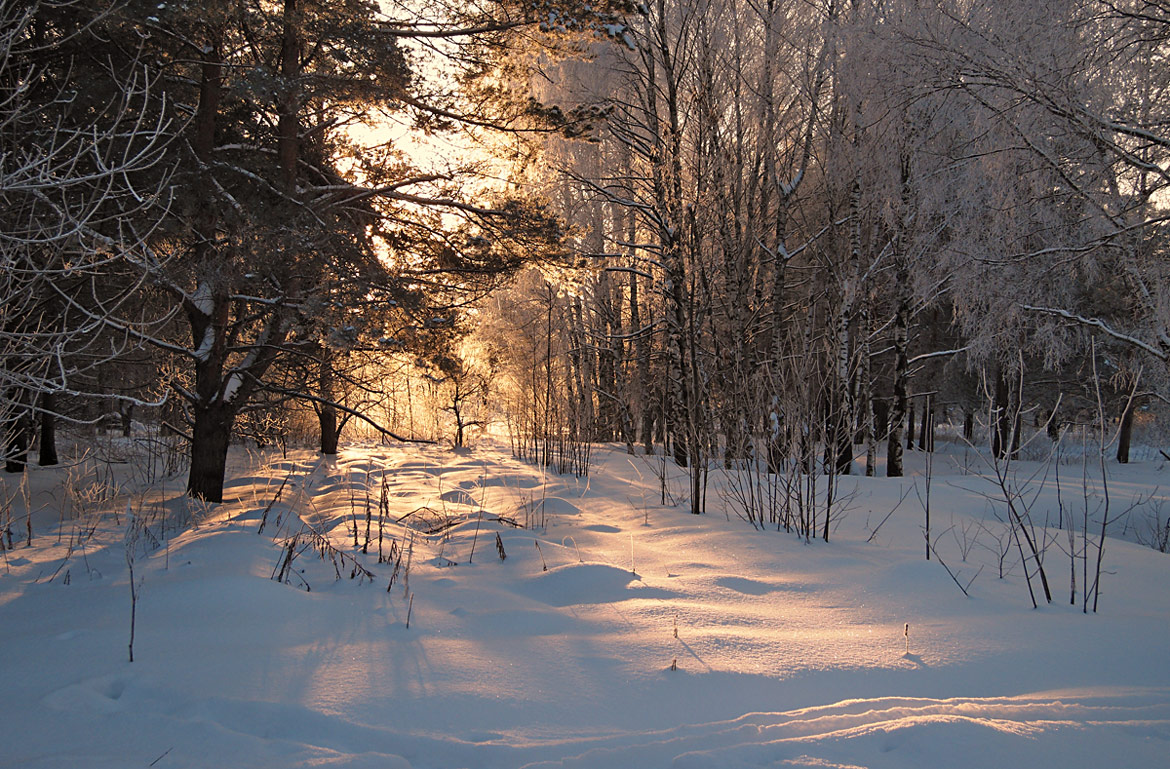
(654, 638)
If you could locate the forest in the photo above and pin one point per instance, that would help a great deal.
(727, 231)
(404, 284)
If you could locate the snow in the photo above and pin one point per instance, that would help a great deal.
(202, 298)
(203, 351)
(787, 654)
(232, 386)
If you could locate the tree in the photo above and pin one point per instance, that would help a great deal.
(83, 180)
(281, 203)
(1072, 94)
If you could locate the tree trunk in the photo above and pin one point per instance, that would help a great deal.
(926, 429)
(840, 416)
(330, 432)
(900, 406)
(584, 360)
(210, 437)
(211, 430)
(881, 417)
(642, 353)
(458, 424)
(603, 322)
(667, 179)
(869, 431)
(48, 455)
(127, 413)
(1125, 431)
(901, 339)
(1004, 439)
(288, 122)
(326, 411)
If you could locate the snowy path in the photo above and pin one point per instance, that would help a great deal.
(787, 654)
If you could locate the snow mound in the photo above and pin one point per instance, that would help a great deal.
(98, 695)
(756, 587)
(425, 468)
(744, 585)
(458, 497)
(555, 506)
(588, 583)
(602, 528)
(509, 480)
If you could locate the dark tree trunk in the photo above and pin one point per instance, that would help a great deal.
(926, 429)
(1125, 431)
(899, 406)
(910, 426)
(127, 412)
(881, 417)
(642, 352)
(865, 385)
(1052, 426)
(659, 418)
(211, 430)
(678, 394)
(968, 425)
(841, 426)
(901, 331)
(288, 124)
(326, 411)
(211, 435)
(48, 430)
(607, 356)
(330, 431)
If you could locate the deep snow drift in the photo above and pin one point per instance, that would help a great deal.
(654, 638)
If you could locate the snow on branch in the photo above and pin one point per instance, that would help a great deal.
(1100, 325)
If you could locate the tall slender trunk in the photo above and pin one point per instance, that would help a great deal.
(326, 412)
(667, 182)
(621, 371)
(211, 429)
(583, 362)
(609, 415)
(1125, 429)
(843, 420)
(1005, 433)
(899, 406)
(642, 353)
(288, 122)
(868, 432)
(840, 402)
(926, 428)
(777, 429)
(48, 414)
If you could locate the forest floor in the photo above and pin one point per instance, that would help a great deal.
(617, 632)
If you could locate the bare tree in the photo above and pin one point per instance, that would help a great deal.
(83, 185)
